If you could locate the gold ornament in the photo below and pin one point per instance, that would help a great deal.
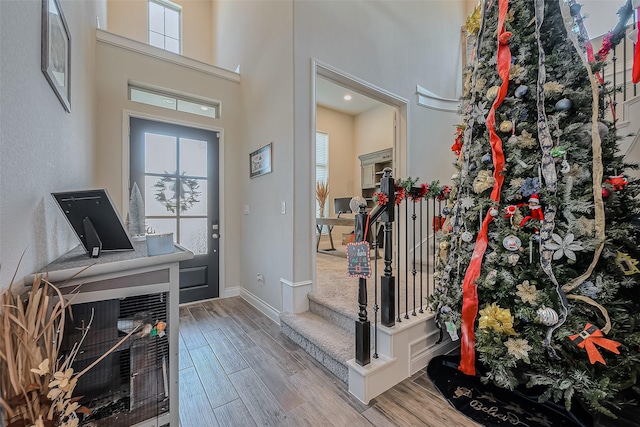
(627, 264)
(492, 92)
(506, 126)
(443, 250)
(483, 181)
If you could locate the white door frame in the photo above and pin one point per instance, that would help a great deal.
(126, 116)
(400, 104)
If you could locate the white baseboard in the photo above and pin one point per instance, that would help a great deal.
(262, 306)
(231, 292)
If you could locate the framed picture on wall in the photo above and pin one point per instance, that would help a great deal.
(260, 161)
(56, 51)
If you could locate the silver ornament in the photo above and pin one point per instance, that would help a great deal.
(521, 91)
(548, 316)
(511, 243)
(494, 212)
(466, 237)
(563, 105)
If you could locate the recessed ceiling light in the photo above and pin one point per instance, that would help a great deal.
(203, 108)
(347, 97)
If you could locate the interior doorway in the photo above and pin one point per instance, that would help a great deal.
(364, 128)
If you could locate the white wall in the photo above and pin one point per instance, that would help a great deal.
(44, 149)
(374, 131)
(342, 171)
(340, 128)
(394, 45)
(258, 36)
(129, 18)
(116, 67)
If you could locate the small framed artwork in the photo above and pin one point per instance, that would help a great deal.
(56, 51)
(260, 161)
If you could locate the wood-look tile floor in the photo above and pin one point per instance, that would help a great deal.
(237, 369)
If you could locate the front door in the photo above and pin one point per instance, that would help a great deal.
(176, 169)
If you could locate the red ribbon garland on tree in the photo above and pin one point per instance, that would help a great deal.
(469, 288)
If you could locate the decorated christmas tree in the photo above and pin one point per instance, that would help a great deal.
(540, 278)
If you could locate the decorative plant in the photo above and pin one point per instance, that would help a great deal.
(322, 192)
(36, 380)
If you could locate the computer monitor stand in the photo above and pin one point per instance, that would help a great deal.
(94, 244)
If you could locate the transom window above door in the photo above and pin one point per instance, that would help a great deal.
(165, 25)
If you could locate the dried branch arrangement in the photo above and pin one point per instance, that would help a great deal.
(322, 192)
(36, 381)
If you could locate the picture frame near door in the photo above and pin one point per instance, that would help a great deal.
(56, 51)
(260, 161)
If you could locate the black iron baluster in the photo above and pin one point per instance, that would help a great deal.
(406, 256)
(635, 25)
(413, 272)
(624, 69)
(614, 61)
(375, 291)
(421, 260)
(398, 319)
(434, 227)
(428, 245)
(387, 283)
(363, 326)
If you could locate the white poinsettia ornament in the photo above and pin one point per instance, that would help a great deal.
(564, 247)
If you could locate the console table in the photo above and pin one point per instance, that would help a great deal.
(123, 287)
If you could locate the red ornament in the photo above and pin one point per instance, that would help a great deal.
(457, 145)
(605, 192)
(618, 182)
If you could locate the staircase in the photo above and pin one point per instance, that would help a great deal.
(373, 350)
(325, 333)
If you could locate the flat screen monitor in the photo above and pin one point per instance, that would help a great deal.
(94, 209)
(341, 205)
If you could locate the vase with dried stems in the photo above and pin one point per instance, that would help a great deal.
(322, 192)
(36, 379)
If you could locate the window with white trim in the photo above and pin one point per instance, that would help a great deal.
(165, 22)
(322, 163)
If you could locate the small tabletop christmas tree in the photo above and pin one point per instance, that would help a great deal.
(541, 277)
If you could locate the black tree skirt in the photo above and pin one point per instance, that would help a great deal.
(490, 405)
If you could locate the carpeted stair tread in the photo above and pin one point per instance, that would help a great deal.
(335, 314)
(330, 345)
(335, 341)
